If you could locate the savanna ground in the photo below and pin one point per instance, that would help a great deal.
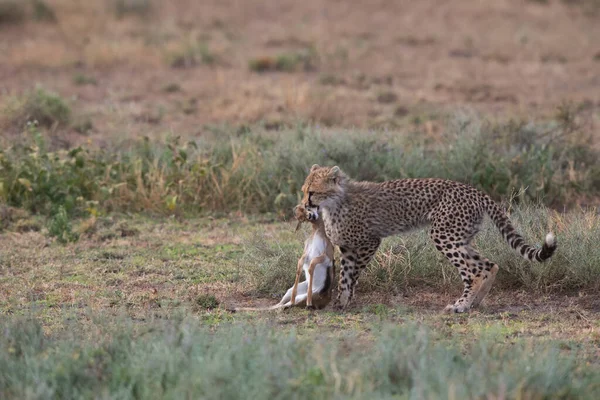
(151, 153)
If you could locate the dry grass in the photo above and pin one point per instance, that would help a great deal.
(92, 307)
(495, 62)
(395, 71)
(161, 267)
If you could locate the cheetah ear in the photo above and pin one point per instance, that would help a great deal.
(315, 166)
(336, 174)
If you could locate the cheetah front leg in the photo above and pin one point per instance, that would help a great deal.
(353, 262)
(348, 263)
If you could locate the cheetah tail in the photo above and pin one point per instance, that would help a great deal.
(515, 240)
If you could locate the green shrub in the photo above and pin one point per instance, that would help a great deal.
(83, 124)
(262, 171)
(43, 12)
(12, 11)
(304, 60)
(60, 227)
(191, 54)
(82, 79)
(43, 107)
(140, 8)
(171, 88)
(207, 301)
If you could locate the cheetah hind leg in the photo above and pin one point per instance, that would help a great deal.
(488, 281)
(474, 272)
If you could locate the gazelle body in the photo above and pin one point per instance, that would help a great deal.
(318, 266)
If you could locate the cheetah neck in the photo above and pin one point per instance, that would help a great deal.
(332, 204)
(329, 210)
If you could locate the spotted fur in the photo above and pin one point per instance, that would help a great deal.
(358, 215)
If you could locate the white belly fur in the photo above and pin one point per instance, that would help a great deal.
(315, 248)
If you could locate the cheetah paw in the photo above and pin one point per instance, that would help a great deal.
(454, 309)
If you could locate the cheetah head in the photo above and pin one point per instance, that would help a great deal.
(322, 187)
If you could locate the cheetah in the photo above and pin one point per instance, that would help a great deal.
(357, 215)
(318, 264)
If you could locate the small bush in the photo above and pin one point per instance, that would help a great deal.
(139, 8)
(590, 7)
(82, 79)
(286, 62)
(387, 97)
(43, 12)
(172, 88)
(41, 181)
(60, 227)
(83, 125)
(45, 107)
(191, 54)
(12, 11)
(331, 80)
(207, 301)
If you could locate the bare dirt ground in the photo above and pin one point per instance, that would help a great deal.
(181, 65)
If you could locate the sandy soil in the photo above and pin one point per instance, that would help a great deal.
(185, 65)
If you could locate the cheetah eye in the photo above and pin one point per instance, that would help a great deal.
(310, 194)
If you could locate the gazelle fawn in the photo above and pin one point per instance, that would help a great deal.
(318, 266)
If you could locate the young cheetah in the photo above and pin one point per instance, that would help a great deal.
(358, 215)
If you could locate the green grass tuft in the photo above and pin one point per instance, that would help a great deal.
(191, 54)
(207, 301)
(60, 227)
(182, 359)
(83, 79)
(304, 60)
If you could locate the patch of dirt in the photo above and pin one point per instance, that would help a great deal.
(427, 300)
(499, 57)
